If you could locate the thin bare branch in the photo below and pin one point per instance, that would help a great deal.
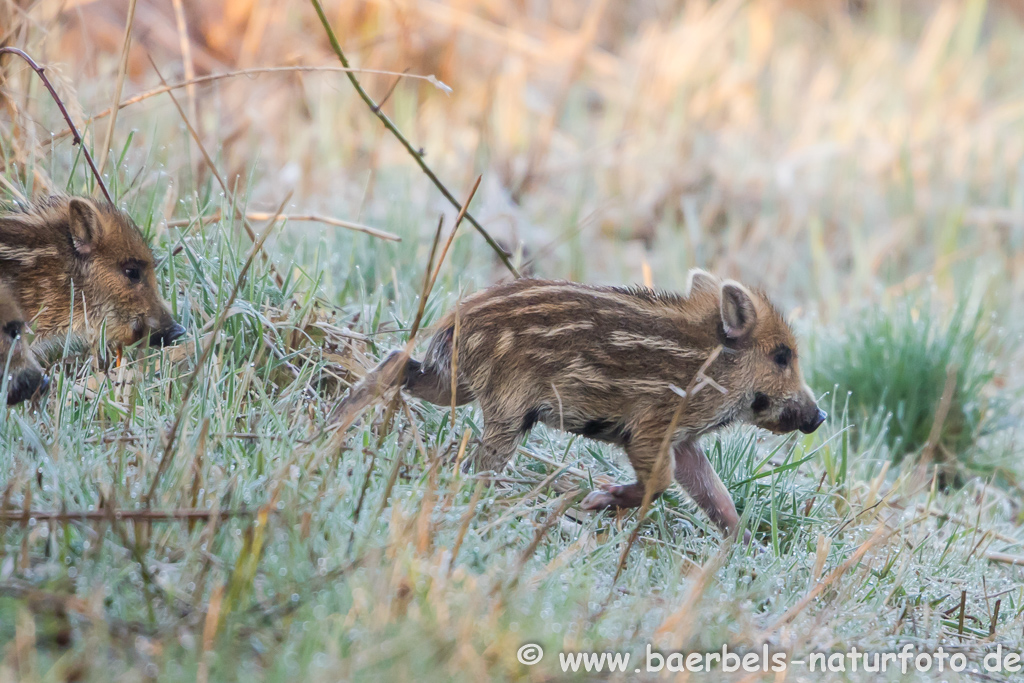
(307, 217)
(416, 154)
(209, 78)
(180, 515)
(451, 237)
(220, 180)
(75, 135)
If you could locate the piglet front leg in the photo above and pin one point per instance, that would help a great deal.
(695, 474)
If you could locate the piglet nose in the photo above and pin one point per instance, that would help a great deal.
(815, 422)
(167, 336)
(13, 328)
(27, 385)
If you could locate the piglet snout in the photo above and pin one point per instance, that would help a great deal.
(811, 425)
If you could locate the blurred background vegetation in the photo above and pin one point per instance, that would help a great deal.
(861, 161)
(835, 154)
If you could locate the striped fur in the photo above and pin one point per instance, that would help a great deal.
(608, 363)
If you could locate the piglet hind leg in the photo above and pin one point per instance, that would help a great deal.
(695, 474)
(615, 496)
(643, 456)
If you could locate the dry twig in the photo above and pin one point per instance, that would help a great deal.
(104, 514)
(75, 135)
(220, 180)
(309, 217)
(210, 78)
(416, 154)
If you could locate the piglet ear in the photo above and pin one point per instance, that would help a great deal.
(700, 281)
(738, 312)
(84, 222)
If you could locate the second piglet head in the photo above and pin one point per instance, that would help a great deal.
(765, 354)
(117, 278)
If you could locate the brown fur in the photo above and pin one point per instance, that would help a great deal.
(22, 373)
(65, 244)
(605, 362)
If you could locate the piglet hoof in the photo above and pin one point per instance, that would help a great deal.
(597, 500)
(611, 495)
(753, 547)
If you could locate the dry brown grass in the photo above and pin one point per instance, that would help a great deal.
(870, 148)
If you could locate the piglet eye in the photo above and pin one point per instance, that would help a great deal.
(782, 356)
(133, 274)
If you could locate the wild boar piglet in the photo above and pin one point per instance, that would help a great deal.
(79, 267)
(609, 363)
